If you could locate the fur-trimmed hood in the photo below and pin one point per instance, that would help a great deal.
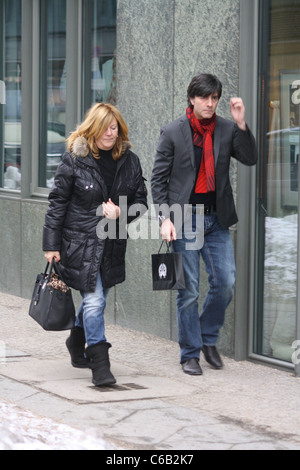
(80, 147)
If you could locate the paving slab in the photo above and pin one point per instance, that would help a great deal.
(58, 378)
(153, 406)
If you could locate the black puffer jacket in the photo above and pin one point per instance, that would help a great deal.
(72, 218)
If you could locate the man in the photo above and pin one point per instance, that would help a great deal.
(192, 168)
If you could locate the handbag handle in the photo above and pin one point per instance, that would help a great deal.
(42, 281)
(54, 266)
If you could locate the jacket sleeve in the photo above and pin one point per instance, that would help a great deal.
(162, 169)
(244, 146)
(59, 199)
(138, 206)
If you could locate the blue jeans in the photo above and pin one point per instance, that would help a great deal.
(217, 253)
(90, 315)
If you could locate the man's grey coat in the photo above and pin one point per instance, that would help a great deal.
(174, 173)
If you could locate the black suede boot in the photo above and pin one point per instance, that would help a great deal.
(76, 346)
(100, 365)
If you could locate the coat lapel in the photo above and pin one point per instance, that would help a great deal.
(217, 141)
(187, 134)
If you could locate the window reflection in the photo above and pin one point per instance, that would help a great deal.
(103, 46)
(99, 52)
(53, 88)
(13, 89)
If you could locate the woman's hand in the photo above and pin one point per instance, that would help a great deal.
(49, 255)
(110, 210)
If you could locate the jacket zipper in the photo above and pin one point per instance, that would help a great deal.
(120, 164)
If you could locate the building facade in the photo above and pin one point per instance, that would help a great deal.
(58, 57)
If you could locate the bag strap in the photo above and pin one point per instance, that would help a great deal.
(46, 270)
(40, 285)
(54, 265)
(168, 246)
(42, 281)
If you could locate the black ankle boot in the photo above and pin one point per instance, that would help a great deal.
(99, 363)
(76, 346)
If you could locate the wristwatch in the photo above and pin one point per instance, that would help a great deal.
(161, 219)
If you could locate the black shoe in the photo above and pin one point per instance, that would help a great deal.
(192, 367)
(212, 357)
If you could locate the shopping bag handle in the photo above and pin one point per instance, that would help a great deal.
(168, 246)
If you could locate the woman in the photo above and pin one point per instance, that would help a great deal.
(97, 169)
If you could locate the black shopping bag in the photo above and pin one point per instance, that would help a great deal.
(167, 271)
(52, 304)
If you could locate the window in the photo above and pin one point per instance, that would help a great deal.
(99, 52)
(98, 73)
(278, 190)
(52, 88)
(10, 98)
(47, 83)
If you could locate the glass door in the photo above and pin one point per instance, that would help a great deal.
(278, 180)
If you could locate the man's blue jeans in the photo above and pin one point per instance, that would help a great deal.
(90, 315)
(217, 253)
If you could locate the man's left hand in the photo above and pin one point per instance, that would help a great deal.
(238, 112)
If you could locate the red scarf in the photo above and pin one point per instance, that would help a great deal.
(203, 132)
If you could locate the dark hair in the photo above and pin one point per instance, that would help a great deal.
(204, 85)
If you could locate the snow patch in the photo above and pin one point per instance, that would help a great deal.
(22, 430)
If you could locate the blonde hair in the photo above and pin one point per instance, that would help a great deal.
(97, 120)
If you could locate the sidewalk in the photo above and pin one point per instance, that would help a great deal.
(154, 406)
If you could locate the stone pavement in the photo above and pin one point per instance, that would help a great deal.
(153, 406)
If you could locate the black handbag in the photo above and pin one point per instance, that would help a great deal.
(52, 305)
(167, 270)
